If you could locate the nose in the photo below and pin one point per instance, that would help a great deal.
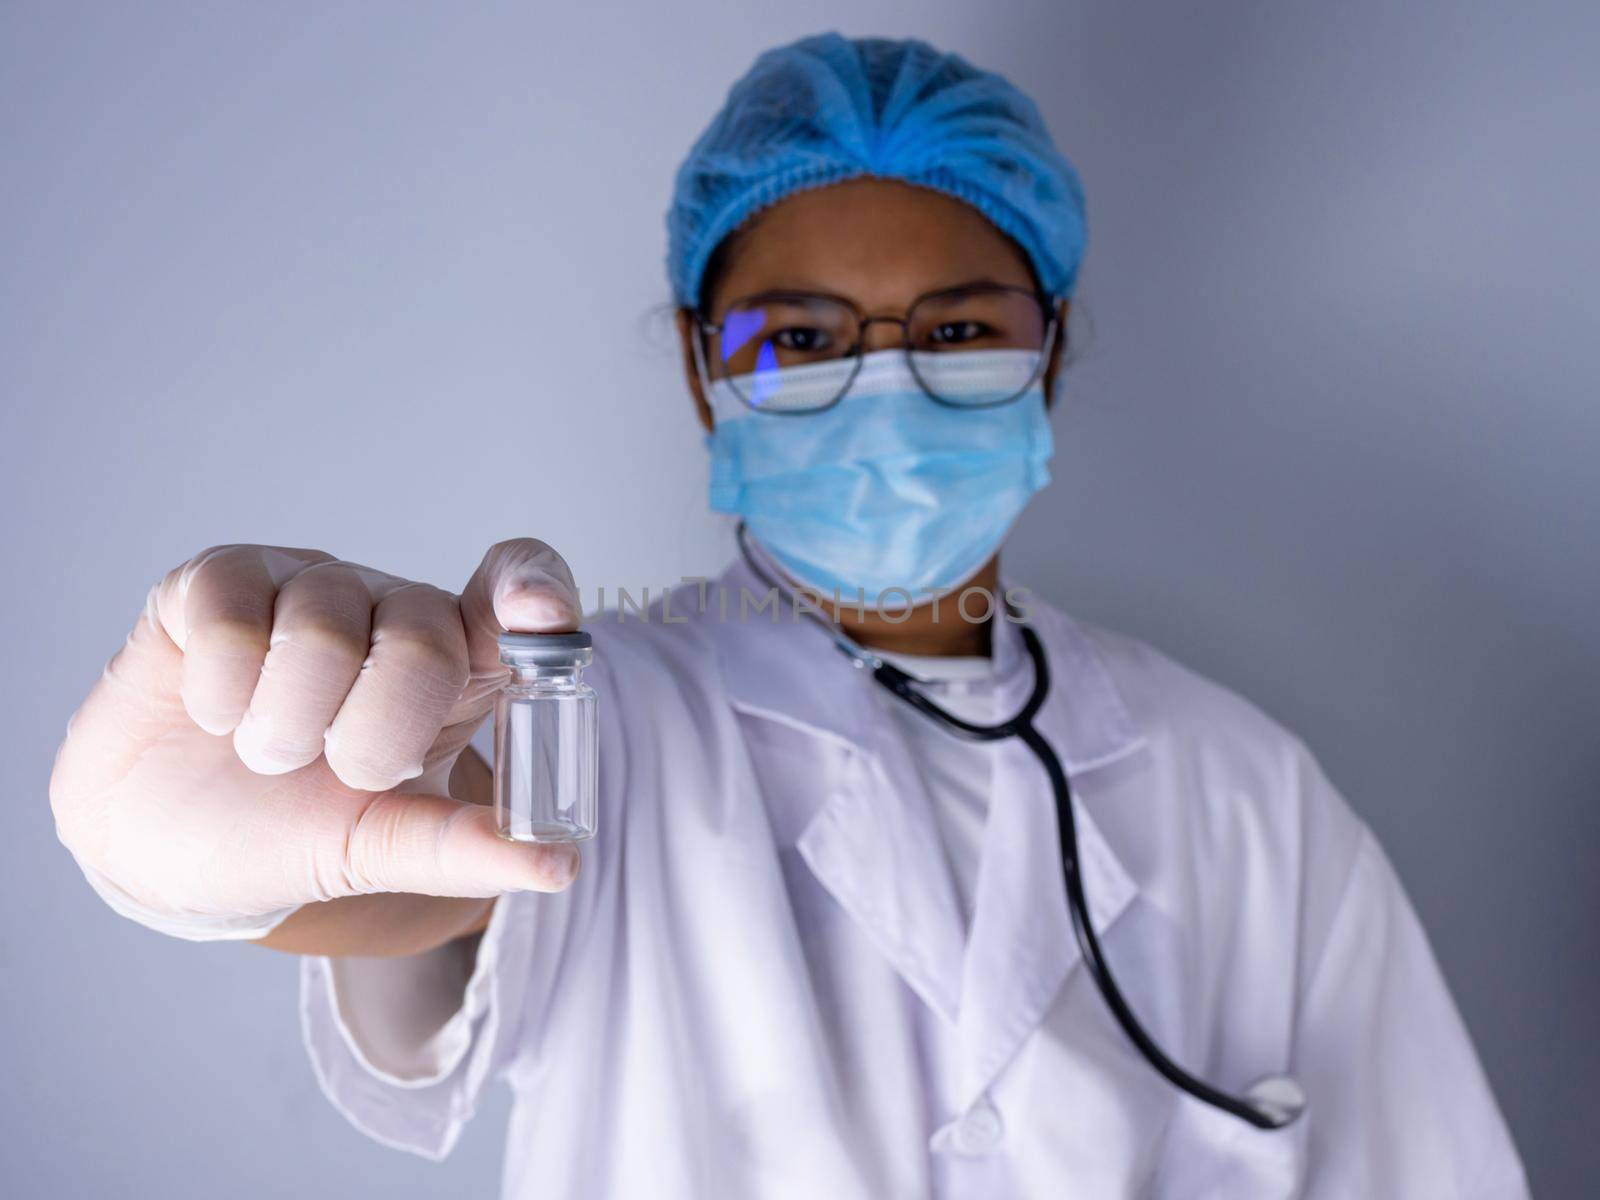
(882, 333)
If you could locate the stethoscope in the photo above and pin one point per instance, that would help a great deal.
(1270, 1103)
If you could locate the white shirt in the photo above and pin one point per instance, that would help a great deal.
(761, 983)
(957, 775)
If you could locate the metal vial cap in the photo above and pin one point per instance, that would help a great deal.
(546, 649)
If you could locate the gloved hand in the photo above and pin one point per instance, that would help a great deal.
(279, 728)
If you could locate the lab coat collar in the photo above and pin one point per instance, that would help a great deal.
(780, 664)
(871, 840)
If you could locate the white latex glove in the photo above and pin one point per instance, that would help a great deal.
(279, 729)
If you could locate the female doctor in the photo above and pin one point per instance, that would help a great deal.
(821, 945)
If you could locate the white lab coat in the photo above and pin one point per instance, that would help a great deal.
(761, 984)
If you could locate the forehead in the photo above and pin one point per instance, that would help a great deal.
(878, 242)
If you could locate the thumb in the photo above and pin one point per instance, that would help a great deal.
(437, 846)
(521, 585)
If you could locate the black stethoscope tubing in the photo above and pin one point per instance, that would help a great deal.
(1021, 726)
(1263, 1113)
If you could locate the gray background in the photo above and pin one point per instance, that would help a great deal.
(385, 279)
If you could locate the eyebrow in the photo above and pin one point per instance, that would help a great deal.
(778, 293)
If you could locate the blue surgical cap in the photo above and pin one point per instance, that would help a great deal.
(829, 108)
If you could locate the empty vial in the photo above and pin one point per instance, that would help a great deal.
(545, 752)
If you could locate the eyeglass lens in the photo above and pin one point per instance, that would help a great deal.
(763, 341)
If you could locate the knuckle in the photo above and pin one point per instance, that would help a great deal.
(430, 658)
(431, 595)
(329, 575)
(369, 845)
(214, 557)
(212, 553)
(225, 635)
(233, 606)
(394, 841)
(326, 637)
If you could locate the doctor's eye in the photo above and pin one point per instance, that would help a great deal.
(956, 333)
(783, 330)
(981, 317)
(803, 339)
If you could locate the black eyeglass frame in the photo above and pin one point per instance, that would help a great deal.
(1047, 308)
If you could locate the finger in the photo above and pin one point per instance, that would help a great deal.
(521, 585)
(436, 846)
(412, 677)
(321, 630)
(138, 699)
(217, 608)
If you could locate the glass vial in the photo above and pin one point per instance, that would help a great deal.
(545, 751)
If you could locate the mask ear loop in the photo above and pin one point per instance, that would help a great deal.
(1058, 329)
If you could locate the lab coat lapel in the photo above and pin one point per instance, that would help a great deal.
(1022, 947)
(872, 841)
(875, 847)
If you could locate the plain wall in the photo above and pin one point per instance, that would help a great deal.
(385, 279)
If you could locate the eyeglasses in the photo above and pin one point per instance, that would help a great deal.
(792, 352)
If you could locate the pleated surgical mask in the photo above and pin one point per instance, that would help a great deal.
(888, 490)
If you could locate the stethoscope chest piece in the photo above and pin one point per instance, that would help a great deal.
(1278, 1098)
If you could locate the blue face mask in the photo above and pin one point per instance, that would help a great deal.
(888, 491)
